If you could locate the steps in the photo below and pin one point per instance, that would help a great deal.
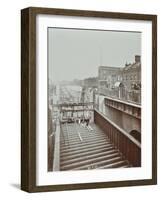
(81, 149)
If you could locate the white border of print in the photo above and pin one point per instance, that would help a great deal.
(89, 176)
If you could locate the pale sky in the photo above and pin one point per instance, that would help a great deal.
(76, 54)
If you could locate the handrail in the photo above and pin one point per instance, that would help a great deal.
(114, 94)
(56, 162)
(131, 103)
(121, 130)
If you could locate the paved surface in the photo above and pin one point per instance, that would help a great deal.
(87, 148)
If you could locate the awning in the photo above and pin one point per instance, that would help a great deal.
(117, 84)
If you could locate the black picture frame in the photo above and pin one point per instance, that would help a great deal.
(28, 98)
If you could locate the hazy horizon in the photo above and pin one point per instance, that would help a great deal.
(77, 54)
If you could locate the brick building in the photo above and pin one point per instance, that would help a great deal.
(123, 83)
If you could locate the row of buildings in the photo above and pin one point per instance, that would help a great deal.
(118, 82)
(123, 83)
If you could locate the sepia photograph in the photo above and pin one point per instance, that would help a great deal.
(94, 99)
(89, 99)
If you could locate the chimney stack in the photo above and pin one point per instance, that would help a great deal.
(137, 59)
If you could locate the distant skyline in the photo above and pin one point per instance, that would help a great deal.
(77, 54)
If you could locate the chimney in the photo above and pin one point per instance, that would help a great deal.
(137, 59)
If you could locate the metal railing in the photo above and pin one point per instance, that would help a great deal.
(127, 145)
(56, 162)
(129, 96)
(51, 141)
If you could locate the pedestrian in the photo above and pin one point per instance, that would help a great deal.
(87, 122)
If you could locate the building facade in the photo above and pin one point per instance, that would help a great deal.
(123, 83)
(108, 76)
(91, 82)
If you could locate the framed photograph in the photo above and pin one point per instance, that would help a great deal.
(88, 99)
